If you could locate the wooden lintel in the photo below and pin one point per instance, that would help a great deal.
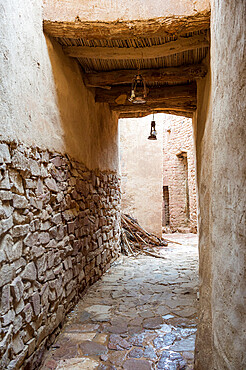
(173, 94)
(106, 53)
(147, 113)
(160, 107)
(161, 75)
(157, 108)
(159, 27)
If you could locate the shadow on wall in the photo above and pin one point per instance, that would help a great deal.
(90, 129)
(60, 213)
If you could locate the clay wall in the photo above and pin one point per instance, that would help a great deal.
(220, 142)
(141, 171)
(43, 99)
(178, 153)
(59, 186)
(115, 10)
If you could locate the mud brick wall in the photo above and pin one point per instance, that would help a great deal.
(59, 231)
(178, 138)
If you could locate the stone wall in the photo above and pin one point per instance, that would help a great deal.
(59, 231)
(141, 171)
(178, 151)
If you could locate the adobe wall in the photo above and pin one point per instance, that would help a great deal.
(43, 99)
(141, 171)
(118, 10)
(220, 140)
(59, 186)
(228, 188)
(178, 138)
(204, 152)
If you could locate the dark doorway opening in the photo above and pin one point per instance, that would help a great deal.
(166, 213)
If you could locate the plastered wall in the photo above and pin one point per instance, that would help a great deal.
(43, 99)
(220, 140)
(141, 171)
(228, 187)
(203, 133)
(115, 10)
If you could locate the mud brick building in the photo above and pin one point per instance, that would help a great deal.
(66, 72)
(179, 175)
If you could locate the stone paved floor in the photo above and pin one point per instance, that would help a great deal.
(141, 315)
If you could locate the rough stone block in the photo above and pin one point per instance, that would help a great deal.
(17, 344)
(57, 270)
(5, 225)
(51, 184)
(16, 182)
(19, 201)
(13, 251)
(38, 251)
(28, 313)
(53, 232)
(31, 346)
(44, 294)
(8, 318)
(45, 226)
(19, 219)
(6, 195)
(45, 157)
(44, 238)
(31, 184)
(30, 272)
(5, 299)
(6, 210)
(4, 154)
(17, 324)
(6, 274)
(18, 264)
(36, 203)
(19, 161)
(41, 266)
(17, 289)
(34, 167)
(36, 303)
(31, 239)
(20, 230)
(57, 219)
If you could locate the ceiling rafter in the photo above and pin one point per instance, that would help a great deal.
(118, 30)
(180, 45)
(159, 75)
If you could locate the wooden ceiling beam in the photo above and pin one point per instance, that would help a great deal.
(147, 113)
(120, 94)
(106, 53)
(157, 107)
(143, 110)
(122, 30)
(161, 75)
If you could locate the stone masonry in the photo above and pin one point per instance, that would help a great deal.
(59, 232)
(179, 175)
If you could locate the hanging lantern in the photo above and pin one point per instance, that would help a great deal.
(153, 133)
(138, 90)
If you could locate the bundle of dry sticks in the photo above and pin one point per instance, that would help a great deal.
(135, 240)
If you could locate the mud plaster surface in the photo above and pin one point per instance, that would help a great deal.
(113, 10)
(43, 98)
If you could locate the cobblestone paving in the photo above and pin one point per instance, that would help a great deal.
(141, 315)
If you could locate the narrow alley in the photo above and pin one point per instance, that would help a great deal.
(140, 315)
